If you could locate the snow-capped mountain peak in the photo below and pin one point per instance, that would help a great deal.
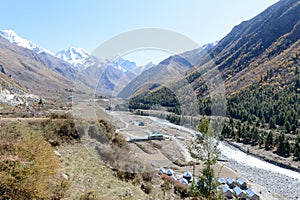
(124, 65)
(73, 55)
(14, 38)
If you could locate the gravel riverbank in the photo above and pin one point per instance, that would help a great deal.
(280, 185)
(269, 181)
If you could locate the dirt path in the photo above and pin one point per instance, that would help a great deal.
(159, 157)
(27, 120)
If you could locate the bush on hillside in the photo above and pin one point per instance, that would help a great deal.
(28, 168)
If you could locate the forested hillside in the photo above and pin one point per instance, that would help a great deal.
(259, 64)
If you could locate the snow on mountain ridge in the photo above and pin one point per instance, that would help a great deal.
(73, 55)
(208, 46)
(14, 38)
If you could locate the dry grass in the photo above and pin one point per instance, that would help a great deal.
(82, 173)
(28, 167)
(87, 173)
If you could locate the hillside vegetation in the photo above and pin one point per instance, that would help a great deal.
(259, 65)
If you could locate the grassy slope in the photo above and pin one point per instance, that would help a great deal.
(89, 174)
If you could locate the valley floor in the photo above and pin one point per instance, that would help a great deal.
(170, 153)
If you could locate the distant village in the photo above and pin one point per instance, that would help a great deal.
(231, 189)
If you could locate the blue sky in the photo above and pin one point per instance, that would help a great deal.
(56, 25)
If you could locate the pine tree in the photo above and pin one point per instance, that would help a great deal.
(269, 141)
(297, 149)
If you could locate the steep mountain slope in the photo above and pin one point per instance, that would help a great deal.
(76, 64)
(30, 70)
(165, 71)
(142, 68)
(254, 47)
(125, 64)
(102, 75)
(171, 69)
(262, 50)
(43, 55)
(13, 38)
(58, 65)
(262, 53)
(259, 61)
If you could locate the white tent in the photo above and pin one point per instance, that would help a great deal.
(187, 174)
(183, 181)
(162, 170)
(169, 172)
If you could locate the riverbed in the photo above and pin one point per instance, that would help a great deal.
(280, 182)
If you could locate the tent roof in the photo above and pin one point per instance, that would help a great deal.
(230, 180)
(184, 181)
(237, 190)
(169, 171)
(187, 174)
(225, 188)
(221, 180)
(250, 192)
(162, 170)
(240, 181)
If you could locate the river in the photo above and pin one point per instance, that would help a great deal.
(275, 179)
(282, 183)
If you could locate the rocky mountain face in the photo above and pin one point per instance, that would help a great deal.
(169, 70)
(104, 76)
(263, 50)
(257, 46)
(74, 56)
(24, 71)
(42, 55)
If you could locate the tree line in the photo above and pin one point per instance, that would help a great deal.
(260, 115)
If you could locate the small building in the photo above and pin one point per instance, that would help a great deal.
(169, 172)
(227, 192)
(230, 182)
(183, 181)
(162, 170)
(141, 124)
(252, 195)
(156, 136)
(188, 176)
(138, 139)
(239, 193)
(241, 183)
(221, 180)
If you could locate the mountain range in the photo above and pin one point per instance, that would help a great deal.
(104, 76)
(173, 68)
(263, 50)
(75, 56)
(14, 38)
(25, 71)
